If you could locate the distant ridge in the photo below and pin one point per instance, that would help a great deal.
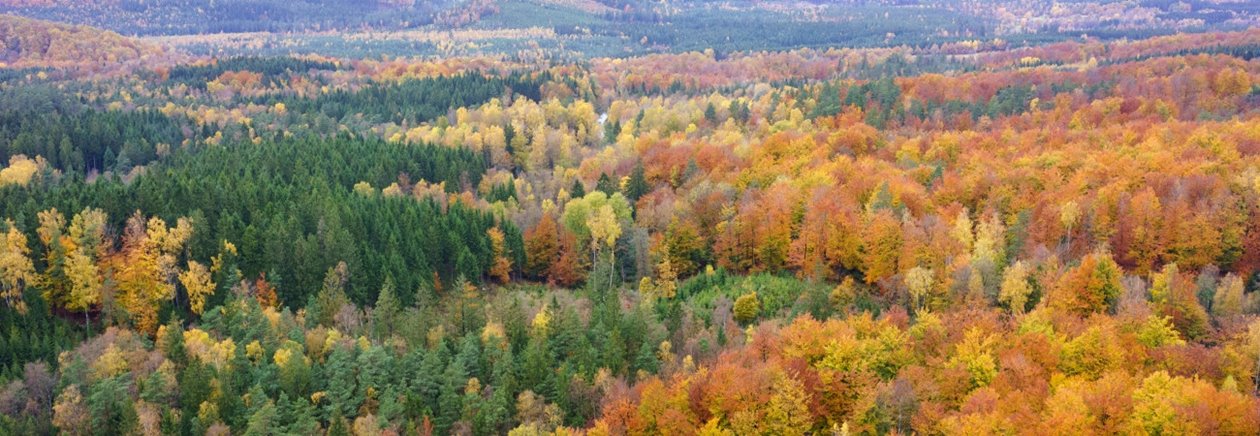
(26, 42)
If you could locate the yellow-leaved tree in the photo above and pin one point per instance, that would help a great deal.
(16, 269)
(197, 282)
(1015, 289)
(56, 285)
(87, 236)
(920, 281)
(501, 269)
(143, 269)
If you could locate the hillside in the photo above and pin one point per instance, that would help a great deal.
(181, 17)
(594, 28)
(33, 43)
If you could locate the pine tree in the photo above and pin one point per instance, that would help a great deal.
(386, 310)
(342, 388)
(646, 359)
(451, 400)
(332, 296)
(111, 408)
(637, 185)
(606, 185)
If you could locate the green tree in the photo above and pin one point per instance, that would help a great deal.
(110, 405)
(451, 400)
(386, 310)
(332, 296)
(606, 185)
(1228, 298)
(747, 308)
(343, 393)
(637, 185)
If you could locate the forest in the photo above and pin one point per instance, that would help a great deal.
(1046, 234)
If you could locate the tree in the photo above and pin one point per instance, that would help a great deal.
(974, 355)
(637, 185)
(110, 406)
(787, 413)
(1172, 295)
(331, 296)
(385, 312)
(197, 282)
(343, 392)
(87, 231)
(606, 185)
(52, 234)
(1092, 287)
(144, 267)
(501, 265)
(451, 400)
(16, 269)
(85, 283)
(990, 242)
(70, 414)
(747, 307)
(604, 229)
(567, 270)
(1228, 299)
(919, 281)
(265, 292)
(1144, 227)
(596, 207)
(844, 294)
(962, 230)
(541, 246)
(685, 248)
(87, 235)
(666, 279)
(1015, 290)
(881, 246)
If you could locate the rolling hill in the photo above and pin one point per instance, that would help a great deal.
(27, 42)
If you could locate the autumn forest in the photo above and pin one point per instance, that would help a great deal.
(613, 217)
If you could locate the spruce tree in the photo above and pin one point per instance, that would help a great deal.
(637, 185)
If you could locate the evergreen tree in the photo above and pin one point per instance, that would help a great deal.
(386, 310)
(637, 185)
(110, 405)
(612, 129)
(646, 359)
(606, 185)
(342, 387)
(451, 400)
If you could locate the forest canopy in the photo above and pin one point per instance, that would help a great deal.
(970, 227)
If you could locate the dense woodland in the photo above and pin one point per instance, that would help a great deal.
(950, 239)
